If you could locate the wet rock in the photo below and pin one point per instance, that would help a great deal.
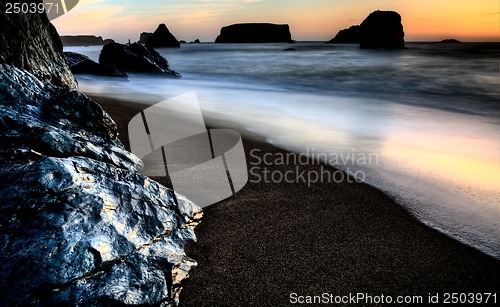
(162, 38)
(382, 29)
(255, 33)
(31, 42)
(78, 223)
(346, 36)
(85, 40)
(81, 64)
(135, 58)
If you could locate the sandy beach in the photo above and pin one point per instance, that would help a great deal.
(272, 240)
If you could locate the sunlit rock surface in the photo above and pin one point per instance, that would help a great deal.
(78, 223)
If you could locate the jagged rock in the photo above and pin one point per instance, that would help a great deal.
(85, 40)
(346, 36)
(135, 58)
(382, 29)
(81, 64)
(78, 222)
(255, 33)
(144, 37)
(162, 38)
(450, 41)
(196, 41)
(31, 42)
(182, 42)
(79, 226)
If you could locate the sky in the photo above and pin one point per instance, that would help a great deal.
(313, 20)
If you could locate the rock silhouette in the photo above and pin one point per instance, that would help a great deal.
(135, 58)
(382, 29)
(162, 38)
(255, 33)
(85, 40)
(347, 36)
(144, 37)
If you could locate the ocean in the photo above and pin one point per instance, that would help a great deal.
(430, 114)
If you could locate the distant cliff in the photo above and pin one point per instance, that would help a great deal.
(346, 36)
(84, 40)
(255, 33)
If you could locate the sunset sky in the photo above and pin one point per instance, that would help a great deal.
(423, 20)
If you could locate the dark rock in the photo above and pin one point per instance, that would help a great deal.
(162, 38)
(290, 49)
(450, 41)
(135, 58)
(144, 37)
(31, 42)
(346, 36)
(182, 42)
(79, 224)
(196, 41)
(254, 33)
(382, 29)
(85, 40)
(81, 64)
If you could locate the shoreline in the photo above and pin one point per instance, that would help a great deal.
(271, 240)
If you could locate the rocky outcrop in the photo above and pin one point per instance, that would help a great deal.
(450, 41)
(346, 36)
(85, 40)
(81, 64)
(30, 42)
(144, 37)
(255, 33)
(382, 29)
(162, 38)
(78, 224)
(135, 58)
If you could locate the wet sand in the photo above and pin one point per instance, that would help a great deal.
(271, 240)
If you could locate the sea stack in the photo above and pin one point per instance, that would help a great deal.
(85, 40)
(162, 38)
(255, 33)
(346, 36)
(382, 29)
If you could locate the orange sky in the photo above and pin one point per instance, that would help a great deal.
(423, 20)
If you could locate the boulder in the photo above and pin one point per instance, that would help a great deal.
(196, 41)
(162, 38)
(30, 42)
(255, 33)
(382, 29)
(346, 36)
(85, 40)
(135, 58)
(144, 37)
(79, 226)
(81, 64)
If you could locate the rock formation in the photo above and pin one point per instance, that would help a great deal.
(85, 40)
(81, 64)
(346, 36)
(144, 37)
(135, 58)
(450, 41)
(255, 33)
(30, 42)
(162, 38)
(78, 224)
(382, 29)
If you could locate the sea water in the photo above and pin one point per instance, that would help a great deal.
(430, 114)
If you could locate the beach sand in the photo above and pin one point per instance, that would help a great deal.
(271, 240)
